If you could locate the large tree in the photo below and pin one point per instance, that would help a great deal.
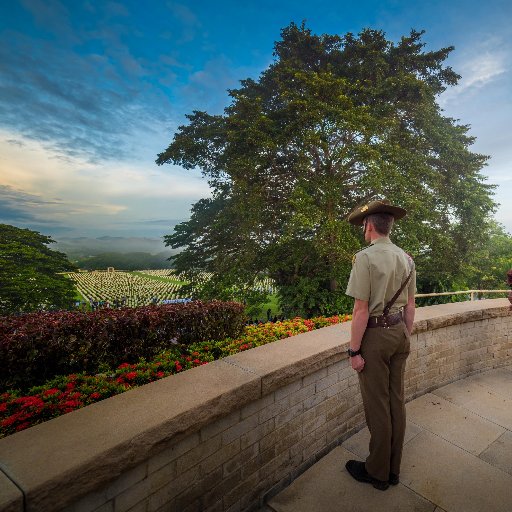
(333, 121)
(29, 278)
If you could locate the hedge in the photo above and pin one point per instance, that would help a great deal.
(36, 347)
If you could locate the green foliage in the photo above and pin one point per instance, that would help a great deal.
(332, 122)
(29, 278)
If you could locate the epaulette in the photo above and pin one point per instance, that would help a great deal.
(354, 257)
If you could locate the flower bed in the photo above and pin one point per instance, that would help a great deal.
(64, 394)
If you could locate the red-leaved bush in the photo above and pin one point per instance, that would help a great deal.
(38, 346)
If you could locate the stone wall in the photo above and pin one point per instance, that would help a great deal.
(227, 435)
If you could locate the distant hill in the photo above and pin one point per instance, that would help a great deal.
(125, 261)
(83, 247)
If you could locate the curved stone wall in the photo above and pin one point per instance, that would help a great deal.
(227, 435)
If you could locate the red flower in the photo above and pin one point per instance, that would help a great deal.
(50, 392)
(130, 375)
(124, 365)
(29, 401)
(196, 361)
(95, 395)
(22, 426)
(3, 407)
(160, 374)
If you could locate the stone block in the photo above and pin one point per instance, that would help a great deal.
(127, 480)
(253, 465)
(213, 497)
(199, 453)
(257, 405)
(313, 377)
(172, 452)
(191, 496)
(302, 394)
(237, 430)
(130, 497)
(273, 437)
(337, 410)
(162, 477)
(338, 367)
(288, 415)
(314, 424)
(235, 494)
(220, 425)
(109, 507)
(165, 495)
(326, 382)
(274, 409)
(254, 435)
(11, 498)
(236, 462)
(283, 392)
(314, 400)
(89, 502)
(220, 456)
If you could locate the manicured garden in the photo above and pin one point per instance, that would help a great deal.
(24, 407)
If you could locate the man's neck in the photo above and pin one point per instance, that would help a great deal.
(375, 236)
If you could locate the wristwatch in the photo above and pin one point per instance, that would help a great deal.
(353, 353)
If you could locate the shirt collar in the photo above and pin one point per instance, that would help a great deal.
(382, 240)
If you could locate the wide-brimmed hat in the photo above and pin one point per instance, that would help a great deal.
(357, 216)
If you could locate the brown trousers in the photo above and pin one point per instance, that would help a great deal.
(385, 350)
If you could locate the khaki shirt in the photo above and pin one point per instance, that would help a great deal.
(377, 273)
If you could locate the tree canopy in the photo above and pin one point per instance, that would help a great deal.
(28, 272)
(332, 122)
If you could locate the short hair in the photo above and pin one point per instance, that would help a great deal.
(382, 222)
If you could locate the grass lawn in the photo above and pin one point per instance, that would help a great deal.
(274, 307)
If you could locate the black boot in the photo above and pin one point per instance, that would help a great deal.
(358, 471)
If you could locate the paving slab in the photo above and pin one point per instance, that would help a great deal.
(452, 478)
(359, 443)
(499, 453)
(327, 487)
(499, 381)
(453, 423)
(480, 400)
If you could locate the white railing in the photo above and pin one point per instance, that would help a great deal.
(463, 292)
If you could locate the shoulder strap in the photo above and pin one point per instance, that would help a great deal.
(397, 294)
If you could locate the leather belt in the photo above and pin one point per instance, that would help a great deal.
(385, 320)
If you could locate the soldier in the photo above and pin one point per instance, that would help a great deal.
(383, 283)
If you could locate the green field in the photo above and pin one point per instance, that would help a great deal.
(143, 287)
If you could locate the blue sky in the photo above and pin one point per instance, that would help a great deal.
(91, 91)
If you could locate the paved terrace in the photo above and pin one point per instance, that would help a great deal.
(457, 457)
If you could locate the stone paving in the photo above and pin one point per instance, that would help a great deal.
(457, 457)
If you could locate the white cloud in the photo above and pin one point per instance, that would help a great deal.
(484, 66)
(91, 194)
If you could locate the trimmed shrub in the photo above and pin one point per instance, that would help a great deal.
(38, 346)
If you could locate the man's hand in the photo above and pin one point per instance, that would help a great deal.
(357, 363)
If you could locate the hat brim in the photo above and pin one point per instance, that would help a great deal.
(356, 218)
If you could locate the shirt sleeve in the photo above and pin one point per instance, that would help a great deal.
(359, 281)
(411, 289)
